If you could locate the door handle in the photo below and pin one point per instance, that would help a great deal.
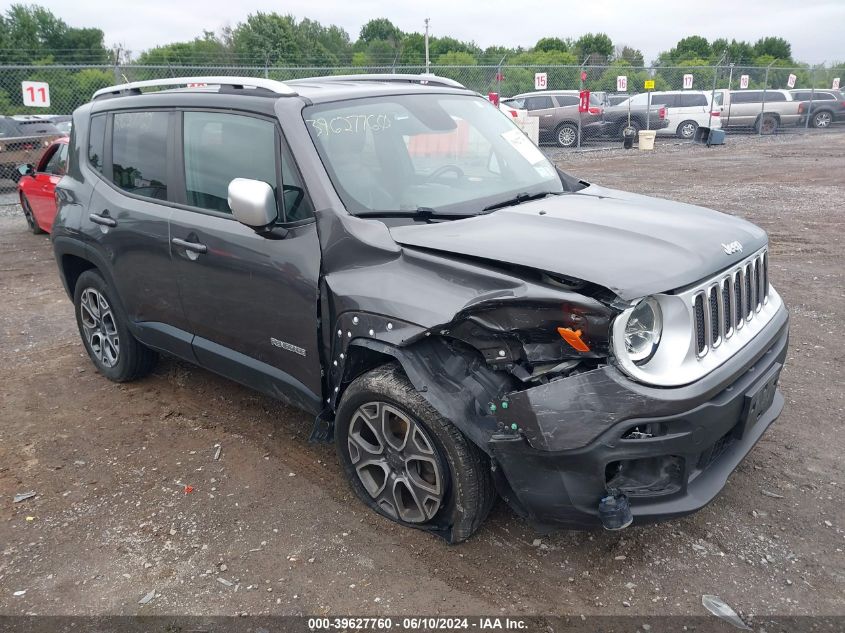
(194, 247)
(102, 219)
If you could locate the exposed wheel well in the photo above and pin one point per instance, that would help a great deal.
(72, 267)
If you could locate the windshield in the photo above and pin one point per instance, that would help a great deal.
(438, 152)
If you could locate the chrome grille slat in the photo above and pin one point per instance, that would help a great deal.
(721, 307)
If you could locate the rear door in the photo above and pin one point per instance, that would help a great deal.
(127, 227)
(542, 107)
(250, 298)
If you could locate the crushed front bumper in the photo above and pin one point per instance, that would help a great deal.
(669, 450)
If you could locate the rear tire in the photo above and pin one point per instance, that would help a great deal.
(822, 119)
(686, 130)
(767, 124)
(103, 327)
(30, 217)
(406, 461)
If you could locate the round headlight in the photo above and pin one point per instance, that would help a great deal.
(642, 332)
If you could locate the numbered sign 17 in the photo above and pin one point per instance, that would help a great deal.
(687, 82)
(622, 83)
(743, 82)
(36, 94)
(791, 81)
(541, 81)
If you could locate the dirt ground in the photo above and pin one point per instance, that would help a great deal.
(272, 527)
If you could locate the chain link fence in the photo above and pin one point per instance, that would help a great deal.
(681, 100)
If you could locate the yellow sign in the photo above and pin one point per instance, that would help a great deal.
(649, 84)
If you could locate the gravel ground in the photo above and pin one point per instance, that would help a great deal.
(272, 527)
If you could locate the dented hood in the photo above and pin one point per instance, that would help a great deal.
(631, 244)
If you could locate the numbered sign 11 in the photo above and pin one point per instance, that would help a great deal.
(36, 94)
(687, 82)
(541, 81)
(743, 82)
(622, 83)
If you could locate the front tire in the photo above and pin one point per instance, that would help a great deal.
(103, 327)
(686, 130)
(31, 222)
(407, 462)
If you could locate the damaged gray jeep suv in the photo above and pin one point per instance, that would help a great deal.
(392, 255)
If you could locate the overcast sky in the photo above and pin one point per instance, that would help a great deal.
(816, 28)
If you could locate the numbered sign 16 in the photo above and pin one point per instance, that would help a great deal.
(743, 82)
(836, 83)
(791, 81)
(622, 83)
(36, 94)
(687, 82)
(541, 81)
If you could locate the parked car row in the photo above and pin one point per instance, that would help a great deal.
(677, 112)
(22, 141)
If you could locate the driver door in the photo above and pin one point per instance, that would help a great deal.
(42, 197)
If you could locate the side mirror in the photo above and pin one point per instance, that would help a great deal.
(252, 202)
(26, 170)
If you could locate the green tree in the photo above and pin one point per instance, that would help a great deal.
(207, 49)
(630, 55)
(30, 33)
(381, 29)
(777, 47)
(597, 46)
(547, 44)
(266, 38)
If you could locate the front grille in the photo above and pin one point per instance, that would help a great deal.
(731, 299)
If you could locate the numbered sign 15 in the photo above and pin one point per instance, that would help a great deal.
(687, 82)
(622, 83)
(541, 81)
(36, 94)
(791, 81)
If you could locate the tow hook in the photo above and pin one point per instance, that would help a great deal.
(615, 511)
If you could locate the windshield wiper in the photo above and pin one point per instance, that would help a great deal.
(420, 214)
(518, 199)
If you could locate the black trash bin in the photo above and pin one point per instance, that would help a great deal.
(628, 136)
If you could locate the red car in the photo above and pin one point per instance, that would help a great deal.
(37, 187)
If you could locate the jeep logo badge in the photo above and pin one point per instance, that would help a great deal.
(732, 247)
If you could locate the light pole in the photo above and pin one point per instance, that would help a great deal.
(427, 60)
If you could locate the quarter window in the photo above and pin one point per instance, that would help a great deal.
(96, 142)
(139, 153)
(221, 147)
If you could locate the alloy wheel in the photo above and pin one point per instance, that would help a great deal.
(822, 119)
(396, 462)
(99, 327)
(567, 136)
(688, 130)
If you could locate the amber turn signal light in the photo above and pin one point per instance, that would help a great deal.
(573, 337)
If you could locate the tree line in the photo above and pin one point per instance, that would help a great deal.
(32, 35)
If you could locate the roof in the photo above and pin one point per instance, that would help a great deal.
(315, 89)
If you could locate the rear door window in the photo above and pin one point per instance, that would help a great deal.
(691, 100)
(139, 153)
(670, 101)
(538, 103)
(771, 97)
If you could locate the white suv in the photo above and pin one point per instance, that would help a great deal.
(686, 110)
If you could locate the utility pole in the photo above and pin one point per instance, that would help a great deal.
(427, 60)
